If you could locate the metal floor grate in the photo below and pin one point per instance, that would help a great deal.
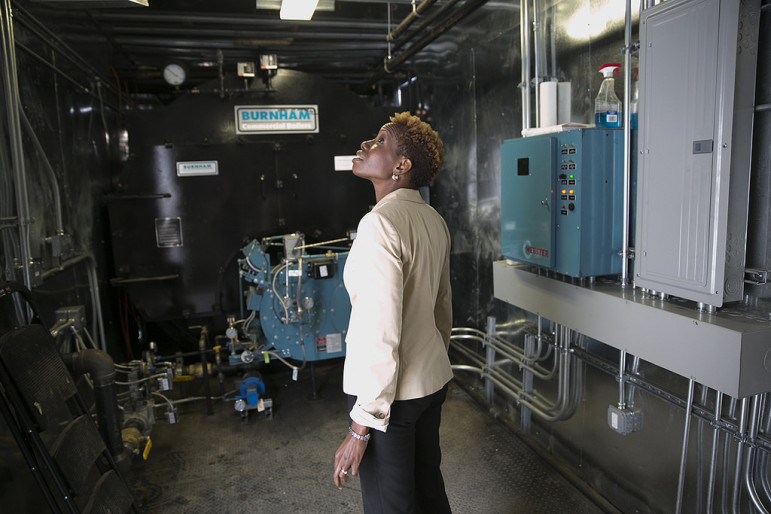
(283, 465)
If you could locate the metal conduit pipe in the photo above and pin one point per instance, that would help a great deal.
(726, 446)
(97, 319)
(763, 461)
(13, 101)
(57, 44)
(621, 371)
(424, 24)
(537, 58)
(713, 458)
(47, 165)
(511, 352)
(627, 144)
(513, 388)
(699, 445)
(53, 67)
(444, 25)
(486, 339)
(524, 43)
(742, 434)
(684, 452)
(406, 22)
(749, 480)
(630, 390)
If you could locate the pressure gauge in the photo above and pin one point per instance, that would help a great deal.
(231, 333)
(175, 74)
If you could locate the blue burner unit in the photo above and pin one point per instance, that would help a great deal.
(562, 201)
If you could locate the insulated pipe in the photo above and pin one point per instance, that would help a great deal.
(436, 14)
(524, 43)
(100, 368)
(627, 143)
(13, 101)
(713, 459)
(684, 453)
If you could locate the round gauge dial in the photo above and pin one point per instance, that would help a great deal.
(175, 74)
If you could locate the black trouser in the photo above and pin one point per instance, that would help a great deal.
(400, 472)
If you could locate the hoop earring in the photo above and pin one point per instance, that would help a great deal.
(394, 177)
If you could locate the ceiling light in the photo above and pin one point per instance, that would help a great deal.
(298, 9)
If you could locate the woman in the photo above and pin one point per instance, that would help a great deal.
(396, 367)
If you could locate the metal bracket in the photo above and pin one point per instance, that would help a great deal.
(756, 276)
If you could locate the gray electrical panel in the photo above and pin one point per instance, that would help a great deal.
(694, 147)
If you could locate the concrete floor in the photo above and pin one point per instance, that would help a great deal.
(217, 463)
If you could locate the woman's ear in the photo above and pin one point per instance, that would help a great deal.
(404, 165)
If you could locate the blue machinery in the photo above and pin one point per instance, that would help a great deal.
(561, 201)
(298, 309)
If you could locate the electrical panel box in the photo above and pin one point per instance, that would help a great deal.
(695, 132)
(562, 201)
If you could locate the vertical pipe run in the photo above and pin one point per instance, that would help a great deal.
(527, 383)
(524, 43)
(621, 370)
(627, 142)
(749, 480)
(205, 369)
(741, 435)
(490, 360)
(684, 453)
(13, 103)
(713, 459)
(537, 59)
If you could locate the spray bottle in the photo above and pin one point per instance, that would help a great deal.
(607, 106)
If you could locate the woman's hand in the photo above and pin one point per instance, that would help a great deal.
(348, 456)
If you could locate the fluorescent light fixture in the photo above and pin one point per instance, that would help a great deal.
(298, 9)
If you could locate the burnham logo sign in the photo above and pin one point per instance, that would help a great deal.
(277, 119)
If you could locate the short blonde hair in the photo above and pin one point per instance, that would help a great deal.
(421, 145)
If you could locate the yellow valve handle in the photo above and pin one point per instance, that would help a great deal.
(148, 447)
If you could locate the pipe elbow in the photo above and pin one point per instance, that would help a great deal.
(98, 364)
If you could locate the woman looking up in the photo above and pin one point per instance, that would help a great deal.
(396, 367)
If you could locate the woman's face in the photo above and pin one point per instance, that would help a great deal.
(379, 157)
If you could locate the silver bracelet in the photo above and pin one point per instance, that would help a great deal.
(360, 437)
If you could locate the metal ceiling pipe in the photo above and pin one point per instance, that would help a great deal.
(446, 24)
(406, 22)
(435, 15)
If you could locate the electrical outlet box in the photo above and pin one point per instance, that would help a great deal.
(624, 421)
